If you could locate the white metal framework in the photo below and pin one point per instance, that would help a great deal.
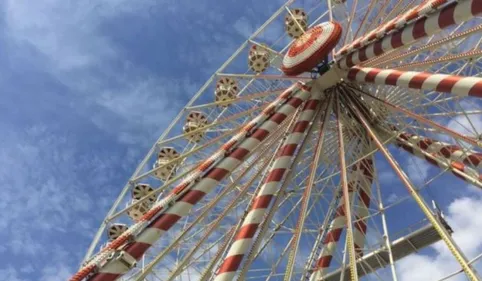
(265, 176)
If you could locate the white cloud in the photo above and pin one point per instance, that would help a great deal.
(11, 274)
(392, 197)
(58, 272)
(466, 225)
(75, 49)
(417, 169)
(61, 30)
(58, 176)
(463, 125)
(244, 27)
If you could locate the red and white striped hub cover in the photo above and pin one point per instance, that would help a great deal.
(311, 48)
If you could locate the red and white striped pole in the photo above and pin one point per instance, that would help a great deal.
(360, 178)
(449, 151)
(181, 200)
(454, 13)
(458, 168)
(333, 236)
(399, 21)
(459, 85)
(260, 204)
(364, 191)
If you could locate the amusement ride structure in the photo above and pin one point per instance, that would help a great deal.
(299, 164)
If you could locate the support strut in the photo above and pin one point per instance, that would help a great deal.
(180, 201)
(307, 192)
(421, 119)
(399, 21)
(459, 85)
(454, 13)
(269, 191)
(450, 243)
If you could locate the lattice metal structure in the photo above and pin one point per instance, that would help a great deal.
(302, 167)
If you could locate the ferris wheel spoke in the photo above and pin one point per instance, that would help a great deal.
(463, 86)
(276, 229)
(398, 9)
(364, 194)
(321, 234)
(330, 9)
(464, 120)
(449, 151)
(423, 150)
(266, 77)
(386, 236)
(188, 169)
(419, 10)
(218, 122)
(251, 96)
(376, 20)
(259, 245)
(268, 191)
(348, 193)
(183, 156)
(437, 127)
(436, 103)
(454, 13)
(390, 57)
(207, 273)
(307, 194)
(448, 58)
(350, 20)
(273, 138)
(365, 16)
(421, 45)
(148, 233)
(188, 258)
(280, 259)
(206, 211)
(255, 249)
(358, 175)
(450, 243)
(453, 113)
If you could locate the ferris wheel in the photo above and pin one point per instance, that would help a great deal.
(292, 161)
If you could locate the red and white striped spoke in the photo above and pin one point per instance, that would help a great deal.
(332, 238)
(259, 205)
(459, 85)
(449, 151)
(399, 21)
(355, 177)
(454, 13)
(260, 127)
(159, 206)
(443, 164)
(364, 190)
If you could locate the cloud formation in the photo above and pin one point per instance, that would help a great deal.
(466, 226)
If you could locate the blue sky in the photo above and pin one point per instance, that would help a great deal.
(85, 88)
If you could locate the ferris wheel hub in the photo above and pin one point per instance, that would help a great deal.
(311, 48)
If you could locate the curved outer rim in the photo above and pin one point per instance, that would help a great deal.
(312, 60)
